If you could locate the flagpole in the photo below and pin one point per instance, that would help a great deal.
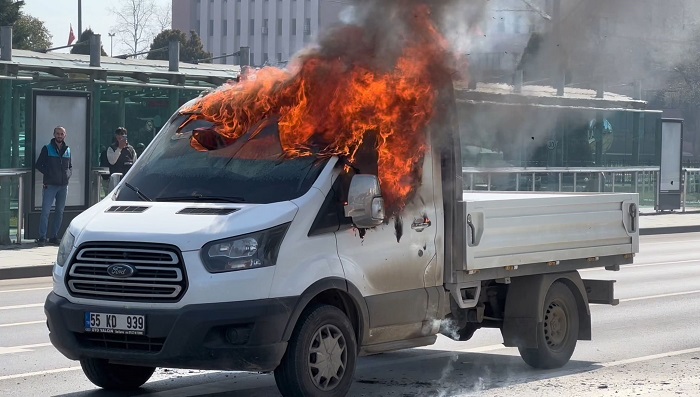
(80, 18)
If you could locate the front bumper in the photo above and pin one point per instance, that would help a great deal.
(194, 336)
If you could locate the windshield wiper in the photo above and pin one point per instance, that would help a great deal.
(138, 192)
(199, 197)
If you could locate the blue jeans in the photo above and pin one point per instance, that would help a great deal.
(50, 193)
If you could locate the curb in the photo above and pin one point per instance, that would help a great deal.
(669, 230)
(12, 273)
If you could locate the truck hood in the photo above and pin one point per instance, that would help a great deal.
(188, 226)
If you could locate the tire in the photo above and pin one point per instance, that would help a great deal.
(115, 376)
(557, 337)
(300, 374)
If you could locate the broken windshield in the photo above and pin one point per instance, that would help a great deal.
(190, 163)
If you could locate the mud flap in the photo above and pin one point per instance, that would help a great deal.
(524, 302)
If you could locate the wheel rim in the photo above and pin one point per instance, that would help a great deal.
(556, 325)
(328, 357)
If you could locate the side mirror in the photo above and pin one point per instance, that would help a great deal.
(114, 180)
(365, 203)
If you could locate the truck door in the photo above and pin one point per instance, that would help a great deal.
(394, 264)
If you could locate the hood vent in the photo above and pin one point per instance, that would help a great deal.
(127, 208)
(207, 211)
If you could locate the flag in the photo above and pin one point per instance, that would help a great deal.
(71, 35)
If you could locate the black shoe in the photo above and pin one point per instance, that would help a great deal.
(54, 241)
(41, 242)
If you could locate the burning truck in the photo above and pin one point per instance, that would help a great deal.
(301, 218)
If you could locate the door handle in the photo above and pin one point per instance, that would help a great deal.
(421, 224)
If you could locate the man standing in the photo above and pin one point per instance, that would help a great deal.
(120, 155)
(55, 163)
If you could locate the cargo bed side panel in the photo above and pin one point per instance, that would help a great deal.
(506, 229)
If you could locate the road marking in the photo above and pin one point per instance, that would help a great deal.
(651, 357)
(623, 267)
(25, 323)
(641, 298)
(21, 306)
(28, 374)
(21, 349)
(26, 289)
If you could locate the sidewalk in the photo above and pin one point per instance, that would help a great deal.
(28, 260)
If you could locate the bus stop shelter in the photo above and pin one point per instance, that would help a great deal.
(91, 96)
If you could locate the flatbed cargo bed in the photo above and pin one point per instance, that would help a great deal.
(506, 229)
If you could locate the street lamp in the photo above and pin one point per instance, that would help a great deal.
(111, 47)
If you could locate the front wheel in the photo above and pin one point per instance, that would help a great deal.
(557, 337)
(115, 376)
(320, 357)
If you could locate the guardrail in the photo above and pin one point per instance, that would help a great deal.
(17, 197)
(642, 180)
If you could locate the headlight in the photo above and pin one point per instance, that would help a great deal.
(64, 248)
(249, 251)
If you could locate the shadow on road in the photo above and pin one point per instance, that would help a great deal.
(410, 373)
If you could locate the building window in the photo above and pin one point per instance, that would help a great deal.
(251, 27)
(279, 26)
(264, 26)
(279, 57)
(237, 28)
(224, 27)
(293, 27)
(211, 27)
(252, 57)
(264, 61)
(307, 26)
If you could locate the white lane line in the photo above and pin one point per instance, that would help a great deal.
(24, 323)
(21, 349)
(417, 358)
(21, 306)
(651, 357)
(26, 289)
(28, 374)
(624, 267)
(641, 298)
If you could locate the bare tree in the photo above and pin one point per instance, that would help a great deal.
(164, 18)
(137, 20)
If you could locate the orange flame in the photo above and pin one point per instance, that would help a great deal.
(334, 101)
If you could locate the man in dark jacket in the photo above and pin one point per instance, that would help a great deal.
(55, 163)
(120, 155)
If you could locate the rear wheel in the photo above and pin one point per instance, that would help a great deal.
(115, 376)
(320, 357)
(557, 338)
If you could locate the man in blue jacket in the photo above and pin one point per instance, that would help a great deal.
(55, 163)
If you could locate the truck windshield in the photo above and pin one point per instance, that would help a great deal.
(251, 169)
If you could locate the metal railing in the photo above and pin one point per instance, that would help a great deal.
(19, 173)
(642, 180)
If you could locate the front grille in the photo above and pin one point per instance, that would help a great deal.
(120, 342)
(159, 273)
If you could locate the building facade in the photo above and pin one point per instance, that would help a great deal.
(504, 33)
(273, 29)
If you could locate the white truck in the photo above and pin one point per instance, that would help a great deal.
(237, 260)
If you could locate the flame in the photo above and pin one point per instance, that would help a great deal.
(332, 99)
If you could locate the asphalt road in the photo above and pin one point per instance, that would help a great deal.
(648, 345)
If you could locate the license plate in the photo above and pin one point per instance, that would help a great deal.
(115, 323)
